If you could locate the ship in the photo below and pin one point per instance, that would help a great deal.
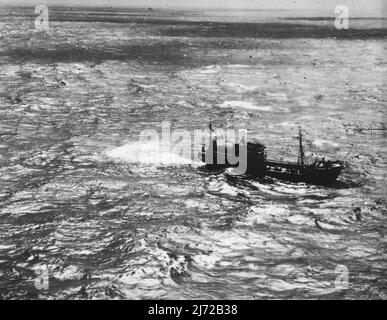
(318, 171)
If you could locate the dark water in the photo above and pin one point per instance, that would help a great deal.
(111, 218)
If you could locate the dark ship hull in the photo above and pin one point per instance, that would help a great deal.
(320, 172)
(293, 172)
(324, 175)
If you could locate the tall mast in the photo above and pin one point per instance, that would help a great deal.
(210, 125)
(301, 155)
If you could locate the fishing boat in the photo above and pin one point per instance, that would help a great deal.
(319, 171)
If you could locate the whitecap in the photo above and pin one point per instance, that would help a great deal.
(147, 153)
(210, 69)
(321, 143)
(238, 87)
(245, 105)
(238, 66)
(277, 96)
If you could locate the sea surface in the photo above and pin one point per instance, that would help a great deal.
(108, 217)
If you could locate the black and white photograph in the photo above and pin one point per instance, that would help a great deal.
(175, 150)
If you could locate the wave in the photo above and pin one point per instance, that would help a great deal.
(149, 154)
(245, 105)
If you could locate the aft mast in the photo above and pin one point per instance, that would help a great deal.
(301, 151)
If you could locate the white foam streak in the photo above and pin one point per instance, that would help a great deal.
(148, 153)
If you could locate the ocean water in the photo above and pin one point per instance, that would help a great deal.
(109, 217)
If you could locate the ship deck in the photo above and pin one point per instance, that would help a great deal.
(283, 164)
